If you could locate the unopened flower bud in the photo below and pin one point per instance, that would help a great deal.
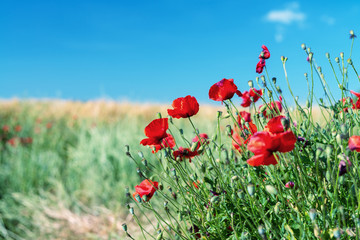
(327, 55)
(310, 56)
(251, 189)
(337, 60)
(342, 55)
(271, 189)
(274, 80)
(269, 93)
(319, 69)
(228, 130)
(131, 210)
(257, 80)
(124, 227)
(289, 184)
(160, 236)
(282, 59)
(250, 83)
(350, 61)
(352, 34)
(312, 214)
(303, 46)
(141, 154)
(277, 208)
(306, 75)
(219, 113)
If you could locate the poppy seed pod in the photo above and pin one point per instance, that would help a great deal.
(251, 189)
(124, 227)
(350, 61)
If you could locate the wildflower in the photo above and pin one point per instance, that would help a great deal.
(184, 153)
(184, 107)
(157, 136)
(245, 122)
(195, 185)
(354, 143)
(275, 108)
(274, 138)
(260, 66)
(357, 104)
(17, 128)
(223, 90)
(6, 128)
(289, 184)
(342, 166)
(345, 100)
(265, 54)
(13, 141)
(26, 140)
(254, 93)
(146, 188)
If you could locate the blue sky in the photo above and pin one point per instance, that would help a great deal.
(156, 51)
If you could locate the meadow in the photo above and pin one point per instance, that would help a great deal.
(68, 181)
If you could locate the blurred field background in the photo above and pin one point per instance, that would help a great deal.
(64, 169)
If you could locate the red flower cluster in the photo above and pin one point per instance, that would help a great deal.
(273, 139)
(223, 90)
(265, 54)
(203, 140)
(357, 104)
(146, 188)
(157, 136)
(184, 107)
(245, 123)
(253, 95)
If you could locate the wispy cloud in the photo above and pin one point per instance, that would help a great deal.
(328, 20)
(283, 17)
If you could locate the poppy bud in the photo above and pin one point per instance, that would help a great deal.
(144, 161)
(310, 56)
(159, 115)
(274, 80)
(131, 210)
(257, 80)
(303, 46)
(312, 214)
(342, 55)
(289, 184)
(271, 189)
(145, 198)
(286, 123)
(352, 34)
(228, 130)
(327, 55)
(124, 226)
(194, 146)
(250, 83)
(319, 69)
(306, 75)
(251, 189)
(328, 151)
(350, 61)
(263, 108)
(170, 119)
(270, 94)
(317, 231)
(337, 60)
(282, 59)
(278, 89)
(181, 131)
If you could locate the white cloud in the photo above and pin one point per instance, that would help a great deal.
(328, 20)
(286, 16)
(282, 17)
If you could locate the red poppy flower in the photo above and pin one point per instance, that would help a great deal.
(6, 128)
(184, 153)
(265, 54)
(354, 143)
(254, 93)
(275, 125)
(13, 141)
(195, 185)
(146, 187)
(26, 140)
(357, 104)
(223, 90)
(245, 116)
(17, 128)
(260, 66)
(265, 144)
(157, 136)
(275, 109)
(184, 107)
